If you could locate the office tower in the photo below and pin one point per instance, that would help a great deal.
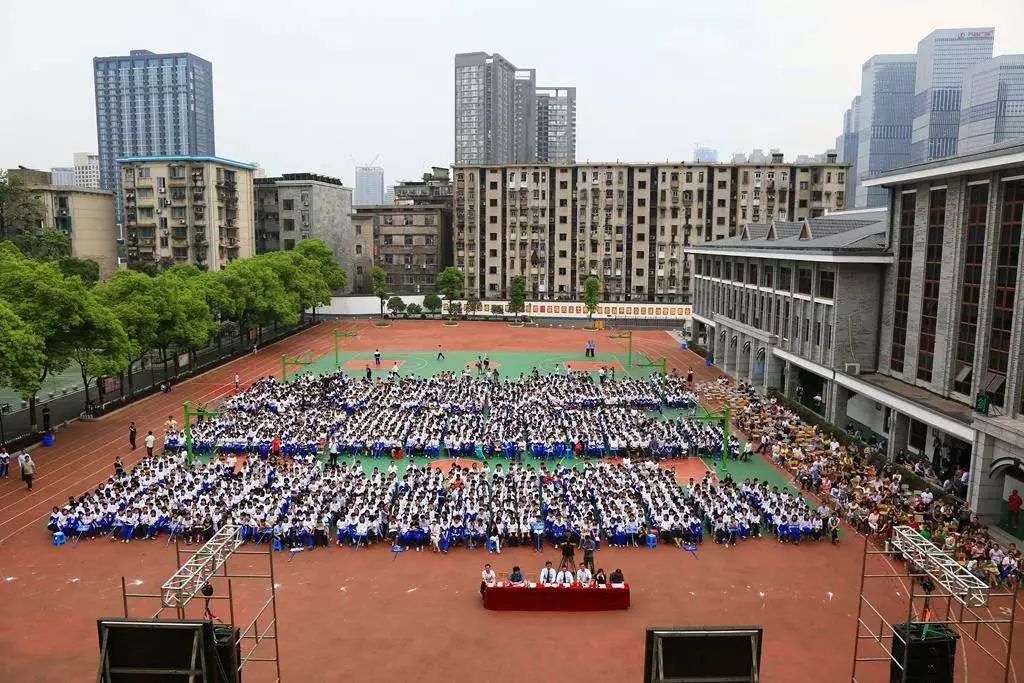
(300, 206)
(485, 95)
(846, 145)
(148, 105)
(63, 176)
(389, 195)
(524, 116)
(992, 108)
(705, 155)
(187, 210)
(884, 119)
(369, 185)
(943, 56)
(87, 169)
(556, 125)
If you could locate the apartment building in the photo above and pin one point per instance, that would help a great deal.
(187, 209)
(364, 253)
(86, 169)
(627, 224)
(411, 242)
(299, 206)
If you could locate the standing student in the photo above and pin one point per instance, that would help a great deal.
(118, 466)
(28, 469)
(150, 441)
(5, 463)
(1014, 504)
(132, 433)
(238, 382)
(376, 357)
(369, 372)
(440, 352)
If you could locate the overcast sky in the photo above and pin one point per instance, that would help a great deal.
(323, 85)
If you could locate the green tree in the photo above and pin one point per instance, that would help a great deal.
(50, 304)
(302, 279)
(414, 309)
(473, 304)
(99, 344)
(396, 305)
(184, 322)
(21, 353)
(517, 295)
(380, 286)
(47, 244)
(591, 295)
(432, 302)
(21, 211)
(258, 296)
(86, 269)
(130, 296)
(449, 283)
(319, 253)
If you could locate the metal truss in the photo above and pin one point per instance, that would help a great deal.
(203, 565)
(919, 552)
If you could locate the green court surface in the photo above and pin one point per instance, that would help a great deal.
(756, 468)
(509, 364)
(56, 384)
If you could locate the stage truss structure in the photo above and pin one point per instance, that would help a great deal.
(209, 563)
(954, 598)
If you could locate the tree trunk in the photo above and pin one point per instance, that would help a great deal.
(130, 381)
(85, 385)
(33, 425)
(177, 368)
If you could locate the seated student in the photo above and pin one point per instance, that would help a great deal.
(516, 577)
(487, 578)
(617, 578)
(599, 577)
(548, 575)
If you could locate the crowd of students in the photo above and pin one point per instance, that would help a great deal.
(546, 416)
(863, 486)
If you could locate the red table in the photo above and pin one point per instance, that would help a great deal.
(556, 598)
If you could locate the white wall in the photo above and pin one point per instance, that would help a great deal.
(369, 305)
(863, 410)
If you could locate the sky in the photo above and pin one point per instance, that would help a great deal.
(322, 86)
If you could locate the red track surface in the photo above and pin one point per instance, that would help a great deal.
(362, 615)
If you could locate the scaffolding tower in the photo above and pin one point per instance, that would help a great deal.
(941, 593)
(209, 563)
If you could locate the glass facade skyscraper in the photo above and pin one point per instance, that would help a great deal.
(150, 104)
(884, 117)
(943, 56)
(556, 125)
(993, 103)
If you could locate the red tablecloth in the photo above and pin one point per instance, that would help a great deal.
(556, 599)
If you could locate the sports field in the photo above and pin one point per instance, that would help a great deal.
(369, 615)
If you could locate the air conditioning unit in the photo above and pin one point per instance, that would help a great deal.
(408, 266)
(162, 190)
(423, 266)
(181, 222)
(851, 368)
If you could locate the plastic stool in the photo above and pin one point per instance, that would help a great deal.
(59, 538)
(276, 545)
(652, 541)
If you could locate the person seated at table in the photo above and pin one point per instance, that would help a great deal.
(617, 579)
(548, 575)
(599, 578)
(516, 577)
(487, 578)
(583, 575)
(565, 578)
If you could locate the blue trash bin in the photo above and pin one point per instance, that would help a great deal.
(684, 346)
(47, 440)
(708, 362)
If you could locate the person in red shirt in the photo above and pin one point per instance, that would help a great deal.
(1014, 503)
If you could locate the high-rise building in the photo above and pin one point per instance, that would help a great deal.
(502, 117)
(369, 185)
(150, 105)
(87, 169)
(943, 56)
(705, 155)
(63, 176)
(884, 120)
(627, 224)
(556, 125)
(182, 209)
(992, 108)
(300, 206)
(846, 145)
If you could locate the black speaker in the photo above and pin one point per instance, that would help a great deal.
(724, 654)
(930, 651)
(229, 652)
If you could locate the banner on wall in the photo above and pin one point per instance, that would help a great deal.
(368, 305)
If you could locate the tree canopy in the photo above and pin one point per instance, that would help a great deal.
(517, 295)
(591, 294)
